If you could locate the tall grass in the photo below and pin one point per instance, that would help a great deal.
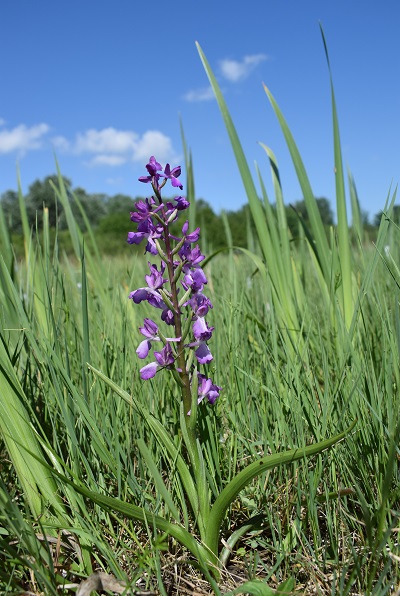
(308, 340)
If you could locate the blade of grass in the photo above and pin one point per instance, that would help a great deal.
(317, 227)
(342, 224)
(162, 490)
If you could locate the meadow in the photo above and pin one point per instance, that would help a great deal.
(306, 347)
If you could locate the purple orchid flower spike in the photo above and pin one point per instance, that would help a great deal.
(180, 263)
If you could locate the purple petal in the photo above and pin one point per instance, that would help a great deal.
(144, 179)
(149, 329)
(151, 247)
(206, 388)
(148, 371)
(135, 237)
(167, 316)
(139, 295)
(195, 280)
(165, 357)
(181, 202)
(143, 348)
(200, 304)
(152, 297)
(193, 236)
(153, 166)
(203, 354)
(201, 330)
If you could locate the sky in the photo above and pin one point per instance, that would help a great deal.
(103, 85)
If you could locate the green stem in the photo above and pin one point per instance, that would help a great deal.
(181, 360)
(189, 400)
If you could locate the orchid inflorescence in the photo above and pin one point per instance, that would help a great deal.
(179, 262)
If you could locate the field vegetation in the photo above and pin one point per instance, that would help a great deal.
(306, 346)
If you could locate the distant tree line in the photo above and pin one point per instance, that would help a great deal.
(109, 215)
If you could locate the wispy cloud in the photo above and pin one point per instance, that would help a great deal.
(61, 143)
(108, 160)
(235, 70)
(112, 147)
(231, 70)
(203, 94)
(22, 138)
(114, 181)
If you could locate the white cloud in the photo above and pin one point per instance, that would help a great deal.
(107, 140)
(234, 70)
(108, 160)
(154, 142)
(203, 94)
(112, 147)
(103, 147)
(22, 138)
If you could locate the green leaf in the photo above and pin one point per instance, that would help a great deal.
(202, 554)
(259, 588)
(242, 479)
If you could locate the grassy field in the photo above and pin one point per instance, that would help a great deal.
(306, 342)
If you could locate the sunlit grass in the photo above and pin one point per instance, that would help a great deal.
(274, 398)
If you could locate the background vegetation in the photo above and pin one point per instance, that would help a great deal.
(108, 216)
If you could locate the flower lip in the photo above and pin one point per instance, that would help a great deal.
(206, 388)
(148, 371)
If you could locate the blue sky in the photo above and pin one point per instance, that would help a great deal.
(104, 84)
